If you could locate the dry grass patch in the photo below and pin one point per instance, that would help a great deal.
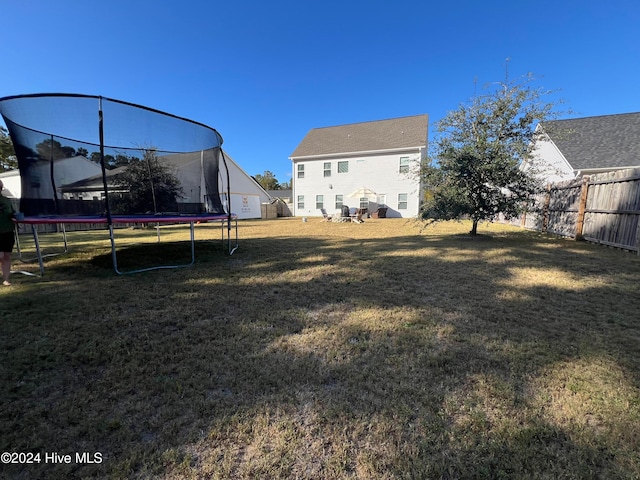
(322, 350)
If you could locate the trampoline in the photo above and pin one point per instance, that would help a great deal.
(126, 220)
(86, 159)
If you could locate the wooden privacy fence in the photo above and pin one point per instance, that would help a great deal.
(602, 208)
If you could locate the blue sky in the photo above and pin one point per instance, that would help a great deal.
(264, 73)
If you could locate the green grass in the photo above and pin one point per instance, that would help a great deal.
(322, 350)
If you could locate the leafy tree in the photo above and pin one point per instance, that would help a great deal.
(94, 157)
(110, 161)
(474, 170)
(145, 186)
(120, 160)
(54, 149)
(8, 159)
(268, 181)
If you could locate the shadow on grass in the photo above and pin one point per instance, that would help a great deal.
(410, 357)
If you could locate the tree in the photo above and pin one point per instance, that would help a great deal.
(474, 170)
(146, 186)
(268, 181)
(50, 148)
(8, 159)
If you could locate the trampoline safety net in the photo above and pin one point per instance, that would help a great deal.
(87, 155)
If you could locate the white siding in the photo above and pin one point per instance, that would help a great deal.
(246, 194)
(380, 173)
(549, 163)
(66, 171)
(12, 185)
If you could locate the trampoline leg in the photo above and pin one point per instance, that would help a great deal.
(226, 223)
(38, 251)
(236, 247)
(193, 244)
(19, 252)
(114, 257)
(64, 238)
(40, 256)
(16, 232)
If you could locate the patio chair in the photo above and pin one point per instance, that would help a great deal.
(325, 216)
(342, 215)
(355, 214)
(381, 212)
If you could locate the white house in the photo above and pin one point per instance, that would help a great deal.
(67, 170)
(247, 195)
(11, 181)
(584, 146)
(381, 157)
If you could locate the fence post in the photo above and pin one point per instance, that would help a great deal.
(545, 209)
(582, 207)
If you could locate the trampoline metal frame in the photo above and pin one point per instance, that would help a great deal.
(225, 221)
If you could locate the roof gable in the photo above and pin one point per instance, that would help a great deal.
(608, 141)
(395, 133)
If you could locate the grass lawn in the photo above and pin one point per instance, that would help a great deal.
(326, 351)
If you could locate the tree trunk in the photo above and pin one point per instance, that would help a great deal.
(474, 228)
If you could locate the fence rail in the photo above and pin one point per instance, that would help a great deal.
(602, 208)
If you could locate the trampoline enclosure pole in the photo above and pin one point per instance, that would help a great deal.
(102, 165)
(229, 215)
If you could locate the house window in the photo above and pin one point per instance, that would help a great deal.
(364, 202)
(403, 200)
(404, 164)
(319, 201)
(343, 167)
(327, 169)
(338, 202)
(301, 202)
(301, 171)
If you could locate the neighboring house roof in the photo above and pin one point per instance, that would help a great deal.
(608, 141)
(280, 193)
(94, 182)
(381, 135)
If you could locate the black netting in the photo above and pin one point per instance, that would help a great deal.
(87, 155)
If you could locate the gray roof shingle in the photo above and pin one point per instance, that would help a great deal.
(598, 142)
(403, 132)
